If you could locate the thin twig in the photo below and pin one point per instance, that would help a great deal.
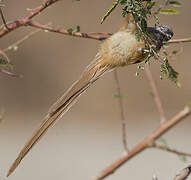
(96, 36)
(122, 115)
(3, 19)
(164, 148)
(145, 143)
(156, 95)
(6, 72)
(15, 44)
(12, 46)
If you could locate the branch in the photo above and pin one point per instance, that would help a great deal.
(161, 7)
(23, 21)
(27, 21)
(156, 95)
(145, 143)
(164, 148)
(123, 124)
(96, 36)
(180, 40)
(183, 175)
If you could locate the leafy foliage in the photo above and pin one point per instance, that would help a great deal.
(142, 11)
(168, 71)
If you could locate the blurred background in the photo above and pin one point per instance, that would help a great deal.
(88, 137)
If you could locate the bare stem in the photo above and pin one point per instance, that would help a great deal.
(96, 36)
(122, 115)
(156, 95)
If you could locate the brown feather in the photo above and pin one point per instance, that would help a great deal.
(90, 75)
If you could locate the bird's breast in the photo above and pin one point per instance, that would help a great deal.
(122, 49)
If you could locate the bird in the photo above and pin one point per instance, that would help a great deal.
(121, 49)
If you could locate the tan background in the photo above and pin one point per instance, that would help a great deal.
(88, 138)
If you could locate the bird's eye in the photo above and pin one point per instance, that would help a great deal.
(169, 36)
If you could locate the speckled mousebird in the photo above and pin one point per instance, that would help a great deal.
(120, 49)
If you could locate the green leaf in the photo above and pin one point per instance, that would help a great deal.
(169, 11)
(174, 52)
(77, 28)
(70, 30)
(122, 2)
(175, 3)
(151, 4)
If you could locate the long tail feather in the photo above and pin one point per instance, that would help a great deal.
(91, 74)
